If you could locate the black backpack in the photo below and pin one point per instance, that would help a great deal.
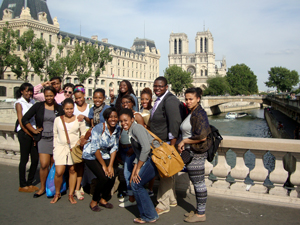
(216, 138)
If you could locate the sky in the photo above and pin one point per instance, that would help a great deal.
(260, 34)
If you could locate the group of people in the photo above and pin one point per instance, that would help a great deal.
(118, 133)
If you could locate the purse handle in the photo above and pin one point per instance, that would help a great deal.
(155, 138)
(66, 132)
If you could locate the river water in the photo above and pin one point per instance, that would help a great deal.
(252, 125)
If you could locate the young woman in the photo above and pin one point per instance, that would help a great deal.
(61, 151)
(195, 129)
(146, 102)
(81, 110)
(96, 112)
(126, 151)
(125, 88)
(68, 90)
(99, 155)
(144, 169)
(27, 144)
(44, 114)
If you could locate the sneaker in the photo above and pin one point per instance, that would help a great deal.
(124, 199)
(160, 211)
(151, 193)
(194, 218)
(127, 204)
(173, 204)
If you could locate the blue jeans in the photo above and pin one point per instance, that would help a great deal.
(144, 202)
(128, 167)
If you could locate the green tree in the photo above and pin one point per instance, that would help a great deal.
(178, 78)
(36, 56)
(241, 80)
(7, 46)
(217, 86)
(99, 60)
(282, 78)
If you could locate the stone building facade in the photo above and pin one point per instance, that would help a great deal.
(138, 64)
(201, 63)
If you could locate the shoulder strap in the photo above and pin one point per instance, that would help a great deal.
(153, 135)
(66, 132)
(103, 128)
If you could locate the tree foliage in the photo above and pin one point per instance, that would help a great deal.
(282, 78)
(241, 80)
(178, 78)
(36, 56)
(7, 47)
(217, 86)
(83, 61)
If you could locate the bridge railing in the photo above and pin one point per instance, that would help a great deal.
(284, 100)
(274, 162)
(231, 173)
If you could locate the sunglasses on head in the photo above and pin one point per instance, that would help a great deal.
(69, 92)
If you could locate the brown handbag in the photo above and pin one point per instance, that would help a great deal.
(76, 151)
(166, 158)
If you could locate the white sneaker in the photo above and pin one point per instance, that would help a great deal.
(127, 204)
(124, 199)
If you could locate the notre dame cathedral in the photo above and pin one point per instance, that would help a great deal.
(201, 63)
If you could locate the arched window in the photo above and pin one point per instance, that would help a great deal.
(90, 81)
(201, 45)
(102, 82)
(68, 80)
(180, 47)
(75, 80)
(205, 45)
(175, 46)
(201, 73)
(119, 82)
(2, 91)
(111, 84)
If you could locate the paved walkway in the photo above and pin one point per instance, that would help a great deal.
(21, 208)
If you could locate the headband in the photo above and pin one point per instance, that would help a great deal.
(81, 89)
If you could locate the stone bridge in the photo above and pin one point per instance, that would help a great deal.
(212, 103)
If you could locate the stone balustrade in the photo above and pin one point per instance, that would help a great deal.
(235, 180)
(224, 178)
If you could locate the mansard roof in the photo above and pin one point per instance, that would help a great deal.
(35, 6)
(140, 44)
(86, 40)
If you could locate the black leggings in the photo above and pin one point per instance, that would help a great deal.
(104, 184)
(26, 148)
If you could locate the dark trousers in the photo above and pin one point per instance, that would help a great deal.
(104, 184)
(26, 148)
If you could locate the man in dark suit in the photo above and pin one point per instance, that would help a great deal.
(165, 122)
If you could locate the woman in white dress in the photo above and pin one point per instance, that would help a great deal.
(61, 152)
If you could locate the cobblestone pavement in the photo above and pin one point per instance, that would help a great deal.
(22, 208)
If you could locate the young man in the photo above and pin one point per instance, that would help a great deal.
(56, 83)
(165, 122)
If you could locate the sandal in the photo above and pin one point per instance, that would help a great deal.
(81, 191)
(140, 221)
(55, 198)
(72, 200)
(78, 195)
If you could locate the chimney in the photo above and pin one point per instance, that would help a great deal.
(104, 40)
(95, 37)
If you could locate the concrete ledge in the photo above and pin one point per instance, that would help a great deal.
(255, 197)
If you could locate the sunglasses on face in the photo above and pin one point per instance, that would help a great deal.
(68, 92)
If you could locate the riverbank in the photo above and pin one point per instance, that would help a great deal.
(273, 118)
